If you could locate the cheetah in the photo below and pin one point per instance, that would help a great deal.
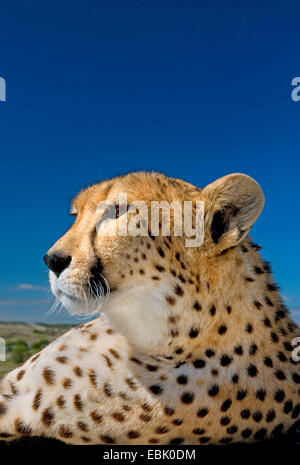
(192, 346)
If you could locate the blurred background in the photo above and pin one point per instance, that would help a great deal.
(194, 89)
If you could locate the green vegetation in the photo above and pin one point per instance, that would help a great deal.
(24, 340)
(20, 350)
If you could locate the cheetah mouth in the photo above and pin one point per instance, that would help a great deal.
(86, 304)
(85, 297)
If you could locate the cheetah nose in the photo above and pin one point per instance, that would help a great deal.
(57, 262)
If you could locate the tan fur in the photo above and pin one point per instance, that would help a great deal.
(164, 362)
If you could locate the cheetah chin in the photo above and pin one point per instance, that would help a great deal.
(194, 344)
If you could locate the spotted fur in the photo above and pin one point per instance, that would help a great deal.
(194, 345)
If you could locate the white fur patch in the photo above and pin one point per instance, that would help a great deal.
(140, 313)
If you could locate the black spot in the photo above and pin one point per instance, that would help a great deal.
(193, 333)
(199, 431)
(238, 350)
(257, 416)
(176, 441)
(272, 287)
(260, 434)
(257, 304)
(245, 414)
(274, 337)
(296, 411)
(232, 429)
(258, 270)
(252, 370)
(270, 415)
(170, 300)
(280, 375)
(177, 422)
(182, 279)
(225, 440)
(156, 389)
(255, 246)
(235, 378)
(246, 433)
(225, 421)
(209, 353)
(222, 330)
(187, 397)
(178, 291)
(213, 310)
(213, 390)
(268, 362)
(160, 268)
(281, 357)
(267, 322)
(133, 434)
(204, 439)
(241, 394)
(268, 301)
(253, 349)
(226, 405)
(169, 411)
(228, 308)
(199, 363)
(202, 412)
(225, 360)
(288, 407)
(277, 430)
(249, 328)
(288, 346)
(279, 395)
(182, 379)
(197, 306)
(161, 430)
(296, 378)
(279, 315)
(161, 252)
(261, 394)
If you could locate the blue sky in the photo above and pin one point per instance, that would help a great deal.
(195, 89)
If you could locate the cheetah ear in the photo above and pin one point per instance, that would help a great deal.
(232, 204)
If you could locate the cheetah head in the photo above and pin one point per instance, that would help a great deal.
(153, 280)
